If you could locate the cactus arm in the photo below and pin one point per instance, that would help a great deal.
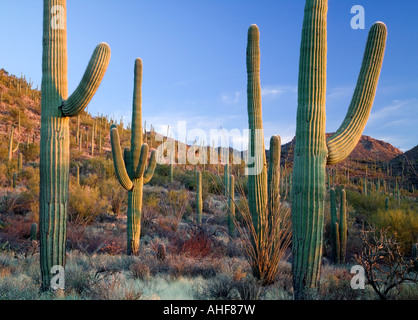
(127, 158)
(17, 147)
(140, 169)
(136, 130)
(89, 83)
(348, 134)
(149, 172)
(119, 164)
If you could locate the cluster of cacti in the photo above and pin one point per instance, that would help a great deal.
(199, 199)
(56, 108)
(313, 150)
(338, 227)
(131, 169)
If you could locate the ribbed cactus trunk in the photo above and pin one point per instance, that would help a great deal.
(312, 150)
(130, 170)
(55, 142)
(257, 172)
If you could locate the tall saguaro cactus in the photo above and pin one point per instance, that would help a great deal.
(56, 108)
(313, 151)
(131, 169)
(257, 178)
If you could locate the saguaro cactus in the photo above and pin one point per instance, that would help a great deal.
(231, 206)
(57, 107)
(312, 150)
(343, 227)
(131, 169)
(257, 171)
(199, 199)
(11, 149)
(273, 176)
(34, 231)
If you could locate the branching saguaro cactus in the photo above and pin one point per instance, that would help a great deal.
(55, 142)
(131, 169)
(313, 151)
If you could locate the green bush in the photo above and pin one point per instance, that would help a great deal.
(403, 225)
(85, 205)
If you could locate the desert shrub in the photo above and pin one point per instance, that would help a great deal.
(21, 287)
(198, 243)
(29, 151)
(140, 270)
(249, 288)
(365, 205)
(16, 202)
(174, 205)
(85, 204)
(161, 175)
(115, 194)
(221, 287)
(386, 269)
(403, 225)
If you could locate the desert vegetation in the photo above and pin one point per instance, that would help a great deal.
(136, 224)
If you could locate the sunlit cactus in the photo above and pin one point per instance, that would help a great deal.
(313, 151)
(131, 168)
(56, 108)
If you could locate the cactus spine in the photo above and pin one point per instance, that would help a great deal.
(199, 199)
(56, 108)
(131, 169)
(312, 150)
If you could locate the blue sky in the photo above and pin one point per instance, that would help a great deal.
(194, 60)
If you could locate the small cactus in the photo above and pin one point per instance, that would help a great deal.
(14, 180)
(34, 231)
(161, 252)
